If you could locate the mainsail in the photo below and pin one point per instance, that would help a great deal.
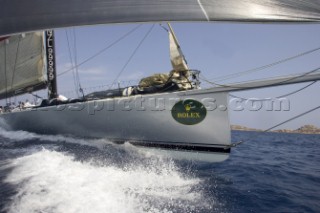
(34, 15)
(22, 66)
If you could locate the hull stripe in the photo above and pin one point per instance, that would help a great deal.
(179, 147)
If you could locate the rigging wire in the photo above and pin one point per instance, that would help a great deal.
(293, 118)
(5, 70)
(102, 50)
(273, 84)
(163, 27)
(75, 73)
(281, 96)
(226, 77)
(36, 96)
(277, 125)
(72, 64)
(133, 53)
(76, 62)
(15, 61)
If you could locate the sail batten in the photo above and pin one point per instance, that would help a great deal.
(34, 15)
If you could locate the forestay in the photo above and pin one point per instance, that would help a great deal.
(18, 16)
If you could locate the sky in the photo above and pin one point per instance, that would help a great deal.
(216, 49)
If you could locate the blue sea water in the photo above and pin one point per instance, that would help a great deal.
(270, 172)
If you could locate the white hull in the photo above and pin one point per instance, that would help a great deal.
(145, 121)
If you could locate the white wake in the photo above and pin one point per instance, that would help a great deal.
(50, 181)
(24, 135)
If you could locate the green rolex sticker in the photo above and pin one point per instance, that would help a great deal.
(189, 112)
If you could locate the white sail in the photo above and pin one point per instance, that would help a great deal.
(44, 14)
(180, 73)
(176, 56)
(22, 67)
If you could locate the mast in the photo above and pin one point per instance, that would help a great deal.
(51, 64)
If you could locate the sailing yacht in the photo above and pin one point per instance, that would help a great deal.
(167, 113)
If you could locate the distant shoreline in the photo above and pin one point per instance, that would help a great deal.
(306, 129)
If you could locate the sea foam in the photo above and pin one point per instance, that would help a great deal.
(51, 181)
